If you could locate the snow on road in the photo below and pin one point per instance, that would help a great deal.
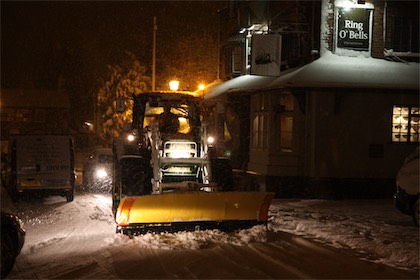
(78, 240)
(372, 228)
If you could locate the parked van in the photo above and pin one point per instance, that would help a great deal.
(44, 164)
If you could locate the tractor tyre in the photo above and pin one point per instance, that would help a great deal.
(221, 171)
(136, 175)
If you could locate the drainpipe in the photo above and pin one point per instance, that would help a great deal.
(384, 22)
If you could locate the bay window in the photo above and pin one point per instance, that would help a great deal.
(405, 124)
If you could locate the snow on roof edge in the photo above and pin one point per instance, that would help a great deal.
(331, 71)
(244, 82)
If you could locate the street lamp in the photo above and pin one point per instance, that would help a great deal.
(173, 85)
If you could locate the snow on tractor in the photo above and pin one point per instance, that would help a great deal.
(166, 180)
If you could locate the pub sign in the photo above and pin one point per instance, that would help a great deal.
(266, 55)
(353, 28)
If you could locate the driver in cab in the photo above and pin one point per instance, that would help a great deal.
(168, 121)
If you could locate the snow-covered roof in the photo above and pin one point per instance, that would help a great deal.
(240, 83)
(331, 71)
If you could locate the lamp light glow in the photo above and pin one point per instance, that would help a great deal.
(174, 85)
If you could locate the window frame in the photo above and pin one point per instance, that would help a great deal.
(398, 123)
(405, 34)
(287, 112)
(259, 123)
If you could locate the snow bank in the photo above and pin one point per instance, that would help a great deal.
(373, 229)
(191, 240)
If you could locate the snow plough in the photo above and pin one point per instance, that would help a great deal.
(165, 178)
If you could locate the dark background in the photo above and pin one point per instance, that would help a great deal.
(76, 40)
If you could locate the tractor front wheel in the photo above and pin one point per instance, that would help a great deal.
(221, 171)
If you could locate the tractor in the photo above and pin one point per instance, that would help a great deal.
(166, 177)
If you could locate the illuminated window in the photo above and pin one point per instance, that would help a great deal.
(286, 130)
(405, 124)
(259, 123)
(259, 139)
(286, 123)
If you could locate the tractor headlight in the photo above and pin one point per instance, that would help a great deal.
(180, 149)
(131, 136)
(101, 173)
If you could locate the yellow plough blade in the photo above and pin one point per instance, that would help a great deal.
(196, 208)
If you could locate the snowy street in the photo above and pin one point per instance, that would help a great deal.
(306, 239)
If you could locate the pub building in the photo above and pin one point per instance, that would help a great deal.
(335, 121)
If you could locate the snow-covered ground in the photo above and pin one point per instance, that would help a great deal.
(78, 240)
(373, 228)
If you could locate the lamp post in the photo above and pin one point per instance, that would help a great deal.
(154, 55)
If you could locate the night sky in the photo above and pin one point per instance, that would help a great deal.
(77, 39)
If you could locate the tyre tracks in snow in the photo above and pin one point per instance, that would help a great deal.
(87, 247)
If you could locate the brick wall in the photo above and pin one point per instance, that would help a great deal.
(377, 37)
(327, 25)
